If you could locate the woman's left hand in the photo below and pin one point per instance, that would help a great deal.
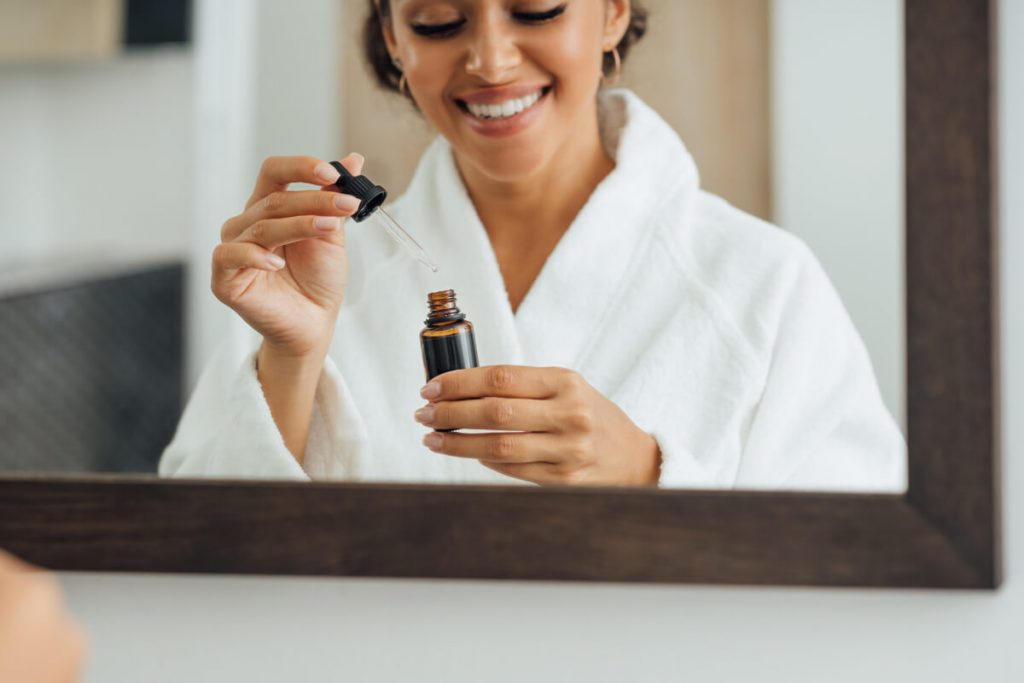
(556, 428)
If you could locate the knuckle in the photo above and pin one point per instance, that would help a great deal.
(218, 256)
(576, 451)
(274, 202)
(226, 229)
(268, 164)
(503, 446)
(500, 377)
(579, 419)
(258, 232)
(501, 413)
(570, 474)
(570, 380)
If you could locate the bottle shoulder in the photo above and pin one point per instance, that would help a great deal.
(447, 329)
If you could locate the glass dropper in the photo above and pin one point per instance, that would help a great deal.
(371, 196)
(399, 235)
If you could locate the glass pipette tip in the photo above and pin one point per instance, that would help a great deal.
(405, 239)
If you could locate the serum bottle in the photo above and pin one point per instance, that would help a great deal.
(447, 340)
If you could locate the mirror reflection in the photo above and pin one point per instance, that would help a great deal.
(589, 242)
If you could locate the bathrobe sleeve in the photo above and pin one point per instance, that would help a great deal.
(227, 430)
(820, 422)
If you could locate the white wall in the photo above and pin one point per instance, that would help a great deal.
(837, 117)
(175, 628)
(266, 75)
(95, 159)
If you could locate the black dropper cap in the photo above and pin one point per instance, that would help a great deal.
(370, 195)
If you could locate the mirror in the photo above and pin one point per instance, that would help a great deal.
(692, 327)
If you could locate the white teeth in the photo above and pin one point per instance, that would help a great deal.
(504, 109)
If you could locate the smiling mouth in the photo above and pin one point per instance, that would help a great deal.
(503, 110)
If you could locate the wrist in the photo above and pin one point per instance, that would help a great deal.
(649, 470)
(274, 360)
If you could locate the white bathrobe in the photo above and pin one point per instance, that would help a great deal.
(717, 333)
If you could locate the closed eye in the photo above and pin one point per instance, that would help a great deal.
(438, 30)
(451, 27)
(540, 17)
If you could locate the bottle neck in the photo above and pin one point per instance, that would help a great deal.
(442, 308)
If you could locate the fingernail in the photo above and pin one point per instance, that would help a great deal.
(326, 223)
(346, 202)
(431, 390)
(275, 261)
(433, 441)
(326, 172)
(425, 415)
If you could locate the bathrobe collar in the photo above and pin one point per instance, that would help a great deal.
(585, 276)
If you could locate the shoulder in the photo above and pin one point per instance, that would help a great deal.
(753, 274)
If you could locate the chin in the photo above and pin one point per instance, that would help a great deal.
(512, 163)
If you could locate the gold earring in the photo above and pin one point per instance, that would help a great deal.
(618, 69)
(402, 84)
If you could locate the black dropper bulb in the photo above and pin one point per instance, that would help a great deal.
(370, 195)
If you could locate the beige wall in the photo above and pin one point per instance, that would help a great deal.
(52, 30)
(704, 65)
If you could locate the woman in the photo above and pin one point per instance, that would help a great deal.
(633, 329)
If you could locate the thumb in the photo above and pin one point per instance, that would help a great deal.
(353, 163)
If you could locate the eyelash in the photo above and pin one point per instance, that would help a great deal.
(449, 29)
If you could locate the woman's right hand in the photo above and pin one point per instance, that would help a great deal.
(281, 263)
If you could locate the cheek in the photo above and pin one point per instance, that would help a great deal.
(429, 68)
(429, 71)
(573, 59)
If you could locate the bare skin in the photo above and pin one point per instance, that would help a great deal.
(38, 640)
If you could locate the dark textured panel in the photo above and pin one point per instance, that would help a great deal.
(91, 374)
(152, 22)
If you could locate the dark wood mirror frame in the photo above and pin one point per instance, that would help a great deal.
(944, 532)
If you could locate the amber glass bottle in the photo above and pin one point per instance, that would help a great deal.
(447, 340)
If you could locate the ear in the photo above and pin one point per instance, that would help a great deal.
(615, 24)
(388, 32)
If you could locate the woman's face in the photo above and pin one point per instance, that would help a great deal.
(509, 83)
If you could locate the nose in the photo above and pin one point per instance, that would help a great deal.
(493, 53)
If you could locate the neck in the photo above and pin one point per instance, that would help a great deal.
(540, 207)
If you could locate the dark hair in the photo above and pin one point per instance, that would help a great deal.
(388, 75)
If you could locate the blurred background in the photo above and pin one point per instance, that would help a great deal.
(131, 129)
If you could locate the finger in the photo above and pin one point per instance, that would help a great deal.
(277, 232)
(229, 257)
(510, 381)
(511, 414)
(277, 173)
(536, 472)
(518, 447)
(289, 205)
(281, 203)
(13, 564)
